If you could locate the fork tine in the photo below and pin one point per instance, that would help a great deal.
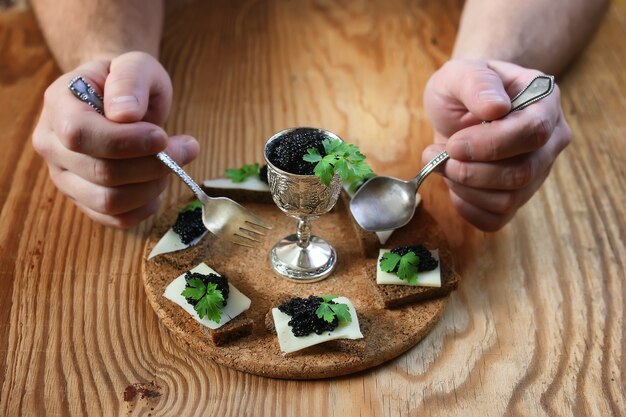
(257, 221)
(246, 234)
(251, 232)
(240, 240)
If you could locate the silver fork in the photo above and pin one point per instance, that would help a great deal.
(221, 216)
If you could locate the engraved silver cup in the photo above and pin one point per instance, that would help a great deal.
(302, 257)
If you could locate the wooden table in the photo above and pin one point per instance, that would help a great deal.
(536, 327)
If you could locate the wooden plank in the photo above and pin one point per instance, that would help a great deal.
(536, 327)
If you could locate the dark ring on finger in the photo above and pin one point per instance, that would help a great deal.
(85, 92)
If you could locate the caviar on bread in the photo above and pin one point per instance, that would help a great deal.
(187, 231)
(303, 322)
(213, 302)
(408, 265)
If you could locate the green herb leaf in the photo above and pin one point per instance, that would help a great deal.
(312, 155)
(342, 311)
(209, 299)
(408, 267)
(341, 158)
(325, 169)
(195, 204)
(389, 261)
(241, 174)
(195, 289)
(328, 311)
(325, 312)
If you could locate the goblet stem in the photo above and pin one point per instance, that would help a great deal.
(304, 232)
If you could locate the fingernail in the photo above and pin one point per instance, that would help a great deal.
(123, 104)
(191, 149)
(489, 96)
(460, 149)
(428, 154)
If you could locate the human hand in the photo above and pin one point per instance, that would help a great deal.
(494, 168)
(106, 165)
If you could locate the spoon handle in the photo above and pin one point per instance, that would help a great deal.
(540, 87)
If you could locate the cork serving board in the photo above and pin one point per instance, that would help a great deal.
(387, 332)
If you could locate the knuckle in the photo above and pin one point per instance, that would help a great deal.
(123, 222)
(506, 203)
(103, 173)
(107, 202)
(40, 141)
(541, 129)
(71, 135)
(521, 175)
(464, 175)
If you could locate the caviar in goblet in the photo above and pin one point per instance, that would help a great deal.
(301, 256)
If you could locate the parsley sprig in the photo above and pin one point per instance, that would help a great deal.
(209, 299)
(241, 174)
(195, 204)
(407, 265)
(328, 311)
(341, 158)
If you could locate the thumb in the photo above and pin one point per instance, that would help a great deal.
(483, 93)
(137, 88)
(463, 93)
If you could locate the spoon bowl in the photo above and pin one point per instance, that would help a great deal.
(384, 203)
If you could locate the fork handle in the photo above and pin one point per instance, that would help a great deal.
(169, 162)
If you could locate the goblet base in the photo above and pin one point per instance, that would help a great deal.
(310, 264)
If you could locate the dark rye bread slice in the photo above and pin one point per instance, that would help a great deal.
(394, 296)
(240, 326)
(368, 241)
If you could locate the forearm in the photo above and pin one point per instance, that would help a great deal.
(545, 35)
(78, 30)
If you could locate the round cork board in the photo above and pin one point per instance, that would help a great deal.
(387, 332)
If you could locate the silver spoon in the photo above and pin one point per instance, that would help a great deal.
(387, 203)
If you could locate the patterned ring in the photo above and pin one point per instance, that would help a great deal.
(85, 92)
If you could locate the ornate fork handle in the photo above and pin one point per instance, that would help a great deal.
(169, 162)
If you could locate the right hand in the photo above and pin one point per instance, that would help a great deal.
(106, 165)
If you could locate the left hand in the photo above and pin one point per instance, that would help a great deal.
(494, 168)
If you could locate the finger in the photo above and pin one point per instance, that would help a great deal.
(115, 172)
(482, 219)
(137, 88)
(123, 220)
(496, 201)
(516, 134)
(81, 129)
(432, 151)
(106, 200)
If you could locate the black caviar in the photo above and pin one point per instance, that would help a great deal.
(287, 152)
(263, 173)
(221, 284)
(304, 321)
(189, 225)
(426, 260)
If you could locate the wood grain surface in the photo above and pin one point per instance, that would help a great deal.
(535, 329)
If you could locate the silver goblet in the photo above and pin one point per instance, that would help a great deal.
(302, 257)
